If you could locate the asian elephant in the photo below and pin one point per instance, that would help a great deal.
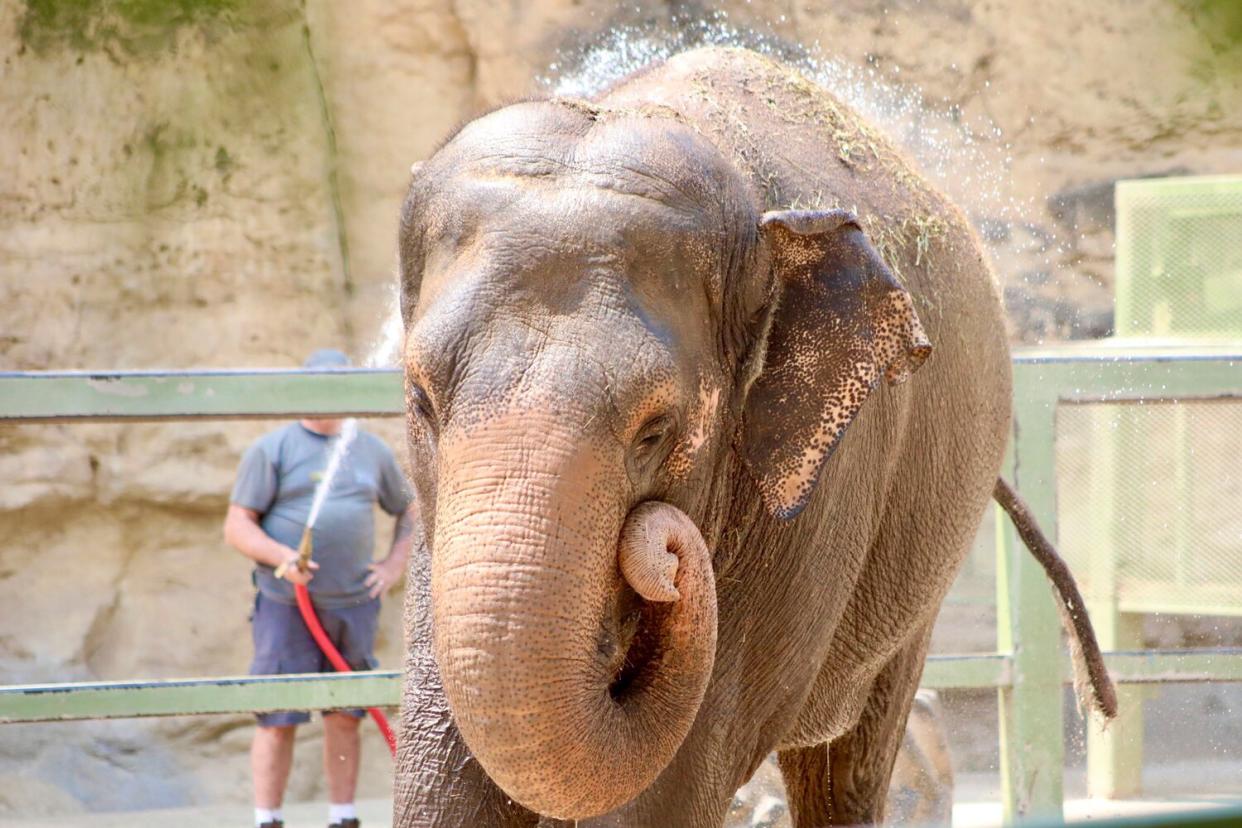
(707, 391)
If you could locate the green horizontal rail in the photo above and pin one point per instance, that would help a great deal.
(967, 671)
(181, 697)
(382, 688)
(77, 396)
(1151, 606)
(1080, 375)
(1069, 375)
(1181, 666)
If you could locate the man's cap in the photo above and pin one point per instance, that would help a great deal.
(327, 358)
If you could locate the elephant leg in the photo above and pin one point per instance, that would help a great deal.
(861, 760)
(437, 783)
(808, 785)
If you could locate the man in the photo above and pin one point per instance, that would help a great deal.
(267, 515)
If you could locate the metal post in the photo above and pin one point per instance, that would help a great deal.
(1032, 753)
(1115, 754)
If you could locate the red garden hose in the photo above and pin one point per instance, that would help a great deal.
(325, 644)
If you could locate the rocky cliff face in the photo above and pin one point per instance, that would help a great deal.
(212, 183)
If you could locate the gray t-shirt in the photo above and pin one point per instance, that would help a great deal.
(277, 479)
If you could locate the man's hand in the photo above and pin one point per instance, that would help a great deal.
(384, 574)
(290, 572)
(244, 533)
(387, 572)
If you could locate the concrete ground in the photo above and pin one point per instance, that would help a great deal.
(376, 813)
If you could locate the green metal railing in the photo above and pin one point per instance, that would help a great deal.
(382, 688)
(1028, 670)
(1031, 716)
(143, 396)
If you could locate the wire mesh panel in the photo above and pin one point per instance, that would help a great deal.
(1179, 257)
(1150, 504)
(1150, 496)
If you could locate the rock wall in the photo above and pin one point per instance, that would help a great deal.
(212, 183)
(168, 198)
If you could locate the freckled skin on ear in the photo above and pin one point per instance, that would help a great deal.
(842, 322)
(694, 482)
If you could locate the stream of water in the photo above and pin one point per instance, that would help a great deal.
(382, 354)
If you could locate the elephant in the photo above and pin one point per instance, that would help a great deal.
(637, 329)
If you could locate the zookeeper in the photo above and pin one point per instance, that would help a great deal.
(268, 511)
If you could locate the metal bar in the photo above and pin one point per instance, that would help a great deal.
(109, 396)
(1127, 352)
(316, 691)
(244, 694)
(1173, 606)
(126, 699)
(1114, 755)
(1163, 667)
(951, 671)
(1115, 750)
(78, 396)
(1105, 377)
(1028, 625)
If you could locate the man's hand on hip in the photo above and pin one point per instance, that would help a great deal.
(383, 575)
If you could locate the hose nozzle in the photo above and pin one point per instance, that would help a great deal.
(304, 550)
(304, 556)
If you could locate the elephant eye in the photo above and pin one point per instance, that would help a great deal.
(653, 438)
(418, 402)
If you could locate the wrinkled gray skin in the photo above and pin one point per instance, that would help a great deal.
(637, 328)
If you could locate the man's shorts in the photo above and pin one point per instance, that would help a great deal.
(282, 644)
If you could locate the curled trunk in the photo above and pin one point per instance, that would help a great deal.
(572, 693)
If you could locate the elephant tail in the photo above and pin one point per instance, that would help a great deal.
(1089, 670)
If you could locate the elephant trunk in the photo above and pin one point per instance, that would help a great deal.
(570, 692)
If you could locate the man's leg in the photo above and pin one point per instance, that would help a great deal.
(271, 757)
(352, 630)
(341, 751)
(281, 645)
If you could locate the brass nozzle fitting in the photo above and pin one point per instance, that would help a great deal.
(304, 550)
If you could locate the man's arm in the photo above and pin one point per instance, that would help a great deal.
(387, 572)
(243, 532)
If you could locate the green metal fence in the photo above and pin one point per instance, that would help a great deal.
(1028, 671)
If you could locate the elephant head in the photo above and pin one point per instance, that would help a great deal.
(601, 332)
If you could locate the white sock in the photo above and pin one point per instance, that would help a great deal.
(262, 815)
(336, 813)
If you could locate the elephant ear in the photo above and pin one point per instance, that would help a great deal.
(842, 322)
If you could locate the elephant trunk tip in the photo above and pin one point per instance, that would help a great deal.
(651, 540)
